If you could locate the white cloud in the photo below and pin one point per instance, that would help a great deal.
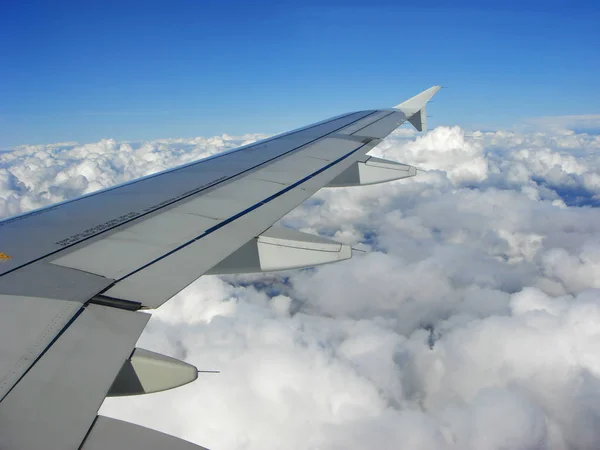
(446, 150)
(472, 323)
(565, 124)
(38, 175)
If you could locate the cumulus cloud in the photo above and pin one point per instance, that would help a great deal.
(472, 322)
(37, 175)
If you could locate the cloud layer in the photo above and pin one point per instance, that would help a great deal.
(472, 322)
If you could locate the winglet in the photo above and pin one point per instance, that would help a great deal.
(414, 108)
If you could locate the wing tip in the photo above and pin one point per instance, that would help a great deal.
(414, 104)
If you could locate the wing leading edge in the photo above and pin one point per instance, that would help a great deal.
(80, 271)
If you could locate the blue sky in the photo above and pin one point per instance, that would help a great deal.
(129, 70)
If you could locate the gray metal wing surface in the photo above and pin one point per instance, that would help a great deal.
(76, 278)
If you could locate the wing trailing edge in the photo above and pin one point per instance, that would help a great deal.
(108, 433)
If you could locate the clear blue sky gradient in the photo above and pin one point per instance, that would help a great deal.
(131, 70)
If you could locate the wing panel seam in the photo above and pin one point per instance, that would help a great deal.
(372, 123)
(189, 194)
(242, 213)
(183, 166)
(43, 352)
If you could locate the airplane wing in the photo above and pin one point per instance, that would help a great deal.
(77, 278)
